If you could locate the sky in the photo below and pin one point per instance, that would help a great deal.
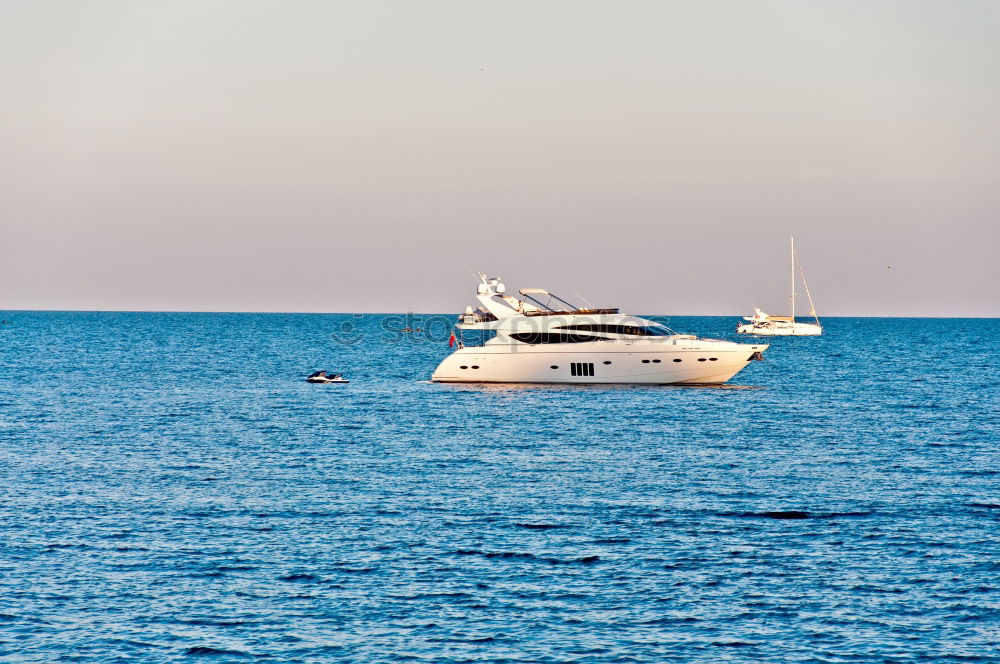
(363, 156)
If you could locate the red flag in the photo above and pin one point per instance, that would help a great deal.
(451, 340)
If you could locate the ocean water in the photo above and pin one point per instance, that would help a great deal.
(171, 490)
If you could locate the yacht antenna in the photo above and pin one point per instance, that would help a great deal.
(476, 274)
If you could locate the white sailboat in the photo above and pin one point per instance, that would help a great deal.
(762, 324)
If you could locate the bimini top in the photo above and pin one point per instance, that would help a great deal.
(493, 298)
(549, 304)
(516, 320)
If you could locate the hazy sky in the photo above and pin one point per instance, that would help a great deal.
(355, 156)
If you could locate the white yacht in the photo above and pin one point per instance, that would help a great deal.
(541, 338)
(762, 324)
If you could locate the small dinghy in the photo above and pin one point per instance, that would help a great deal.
(324, 377)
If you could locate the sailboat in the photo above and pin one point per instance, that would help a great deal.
(763, 324)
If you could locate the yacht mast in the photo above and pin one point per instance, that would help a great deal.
(792, 274)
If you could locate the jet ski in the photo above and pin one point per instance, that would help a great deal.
(324, 377)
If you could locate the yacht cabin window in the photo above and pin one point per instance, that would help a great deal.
(550, 338)
(630, 330)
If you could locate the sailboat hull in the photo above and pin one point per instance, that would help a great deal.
(781, 330)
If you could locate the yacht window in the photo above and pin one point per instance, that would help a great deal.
(631, 330)
(677, 359)
(645, 361)
(475, 366)
(463, 367)
(712, 359)
(550, 338)
(656, 361)
(607, 361)
(581, 369)
(701, 359)
(554, 366)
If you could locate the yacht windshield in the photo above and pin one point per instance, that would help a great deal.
(660, 330)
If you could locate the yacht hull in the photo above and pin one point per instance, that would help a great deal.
(608, 363)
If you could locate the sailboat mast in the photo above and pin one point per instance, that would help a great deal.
(792, 276)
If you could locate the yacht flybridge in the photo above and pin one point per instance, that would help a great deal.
(542, 338)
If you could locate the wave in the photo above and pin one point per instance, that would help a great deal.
(794, 514)
(205, 651)
(441, 595)
(515, 555)
(299, 578)
(216, 623)
(669, 620)
(484, 639)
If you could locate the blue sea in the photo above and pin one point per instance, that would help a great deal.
(172, 490)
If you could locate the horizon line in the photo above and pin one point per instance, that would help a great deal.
(432, 313)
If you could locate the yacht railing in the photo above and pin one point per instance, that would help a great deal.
(465, 343)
